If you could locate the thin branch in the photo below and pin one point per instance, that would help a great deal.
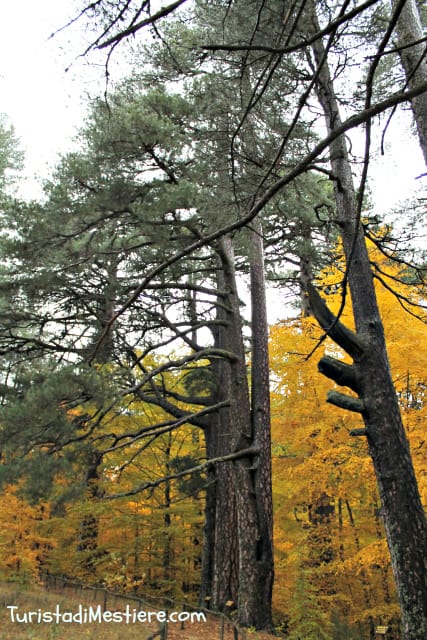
(130, 31)
(244, 453)
(161, 427)
(369, 92)
(331, 27)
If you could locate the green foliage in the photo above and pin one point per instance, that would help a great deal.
(11, 157)
(199, 381)
(190, 485)
(307, 621)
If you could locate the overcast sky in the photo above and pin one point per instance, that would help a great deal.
(46, 104)
(43, 102)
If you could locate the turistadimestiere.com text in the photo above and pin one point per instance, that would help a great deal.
(96, 614)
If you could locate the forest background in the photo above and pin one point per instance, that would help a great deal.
(149, 427)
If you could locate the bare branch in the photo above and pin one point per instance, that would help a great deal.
(342, 373)
(343, 401)
(244, 453)
(130, 31)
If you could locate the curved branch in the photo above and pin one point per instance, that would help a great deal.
(130, 31)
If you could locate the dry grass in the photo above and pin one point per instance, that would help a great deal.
(34, 598)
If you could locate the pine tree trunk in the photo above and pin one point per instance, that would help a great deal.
(89, 526)
(241, 565)
(402, 510)
(220, 548)
(242, 437)
(261, 424)
(414, 62)
(102, 348)
(167, 521)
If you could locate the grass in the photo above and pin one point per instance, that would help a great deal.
(34, 598)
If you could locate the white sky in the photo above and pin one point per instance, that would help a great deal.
(43, 102)
(46, 105)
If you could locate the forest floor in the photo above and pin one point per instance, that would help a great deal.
(36, 599)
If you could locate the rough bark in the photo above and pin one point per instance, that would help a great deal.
(261, 424)
(413, 55)
(220, 551)
(207, 568)
(89, 526)
(402, 511)
(241, 567)
(248, 535)
(167, 521)
(88, 542)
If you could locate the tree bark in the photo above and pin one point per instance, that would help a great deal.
(261, 425)
(220, 551)
(104, 347)
(402, 511)
(241, 565)
(240, 436)
(413, 55)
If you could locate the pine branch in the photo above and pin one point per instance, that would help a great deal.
(302, 166)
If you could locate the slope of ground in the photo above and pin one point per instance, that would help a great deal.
(37, 600)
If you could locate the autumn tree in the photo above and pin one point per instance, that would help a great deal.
(333, 507)
(24, 545)
(370, 378)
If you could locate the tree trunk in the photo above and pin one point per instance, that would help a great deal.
(249, 601)
(220, 548)
(206, 577)
(414, 62)
(241, 562)
(261, 424)
(102, 348)
(167, 521)
(402, 510)
(89, 526)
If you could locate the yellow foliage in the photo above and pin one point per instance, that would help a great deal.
(327, 517)
(22, 545)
